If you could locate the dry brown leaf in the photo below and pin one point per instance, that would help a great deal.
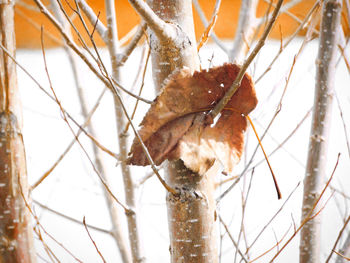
(173, 128)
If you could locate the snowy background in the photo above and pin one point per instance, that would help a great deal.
(74, 189)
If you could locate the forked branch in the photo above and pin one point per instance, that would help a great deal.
(164, 31)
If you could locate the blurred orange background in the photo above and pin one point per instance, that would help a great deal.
(28, 20)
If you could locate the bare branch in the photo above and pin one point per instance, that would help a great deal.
(60, 158)
(76, 49)
(312, 11)
(90, 14)
(129, 189)
(311, 214)
(231, 238)
(41, 227)
(344, 125)
(110, 81)
(123, 57)
(128, 36)
(274, 246)
(244, 32)
(206, 23)
(164, 31)
(94, 243)
(273, 217)
(209, 28)
(286, 139)
(72, 219)
(64, 116)
(285, 9)
(321, 121)
(338, 238)
(228, 95)
(141, 88)
(345, 249)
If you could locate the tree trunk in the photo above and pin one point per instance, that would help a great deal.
(321, 122)
(191, 212)
(16, 236)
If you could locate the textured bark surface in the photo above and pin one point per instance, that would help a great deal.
(191, 214)
(16, 238)
(131, 217)
(315, 170)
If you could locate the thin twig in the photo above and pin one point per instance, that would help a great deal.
(273, 217)
(273, 247)
(313, 10)
(72, 219)
(209, 28)
(290, 135)
(69, 147)
(93, 242)
(90, 14)
(344, 125)
(231, 238)
(244, 31)
(206, 24)
(342, 256)
(118, 97)
(344, 249)
(244, 205)
(41, 227)
(140, 90)
(338, 238)
(129, 189)
(236, 84)
(71, 129)
(123, 57)
(76, 49)
(310, 215)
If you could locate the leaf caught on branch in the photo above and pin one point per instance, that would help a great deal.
(175, 126)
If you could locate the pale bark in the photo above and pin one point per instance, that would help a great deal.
(16, 236)
(131, 216)
(190, 211)
(321, 122)
(113, 210)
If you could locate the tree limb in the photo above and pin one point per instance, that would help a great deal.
(164, 31)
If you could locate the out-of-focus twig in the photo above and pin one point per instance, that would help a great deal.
(72, 219)
(93, 242)
(122, 57)
(210, 26)
(312, 11)
(206, 24)
(100, 27)
(311, 214)
(338, 238)
(245, 30)
(231, 238)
